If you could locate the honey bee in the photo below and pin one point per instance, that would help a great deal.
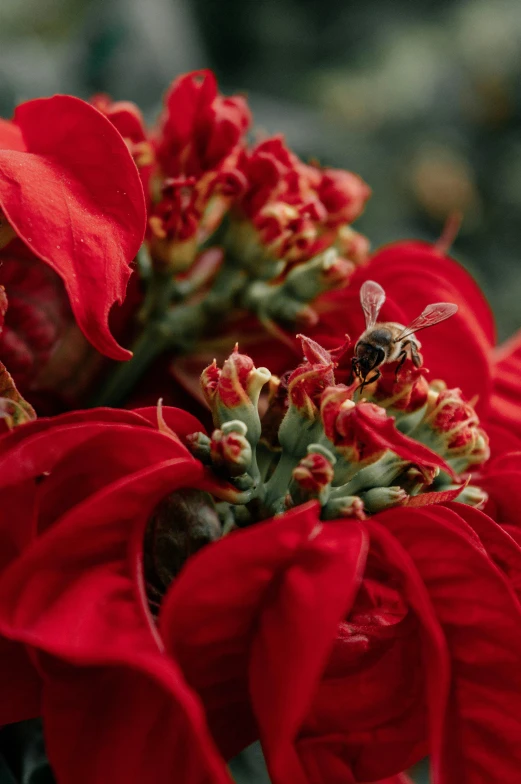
(389, 341)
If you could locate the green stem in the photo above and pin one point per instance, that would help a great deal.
(277, 486)
(149, 345)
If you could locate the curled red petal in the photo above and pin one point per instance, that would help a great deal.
(37, 454)
(439, 497)
(499, 544)
(98, 461)
(75, 198)
(380, 710)
(114, 415)
(501, 479)
(210, 632)
(295, 636)
(506, 395)
(480, 616)
(64, 598)
(387, 436)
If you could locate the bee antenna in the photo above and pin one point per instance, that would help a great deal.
(449, 232)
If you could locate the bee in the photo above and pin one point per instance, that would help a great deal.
(389, 341)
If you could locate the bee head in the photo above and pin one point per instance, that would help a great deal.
(368, 357)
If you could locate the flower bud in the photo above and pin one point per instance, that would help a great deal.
(199, 446)
(173, 224)
(350, 507)
(322, 273)
(305, 387)
(353, 245)
(379, 498)
(14, 410)
(347, 430)
(343, 194)
(406, 391)
(230, 449)
(455, 425)
(275, 412)
(313, 476)
(473, 496)
(233, 392)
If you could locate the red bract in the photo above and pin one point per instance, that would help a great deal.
(343, 645)
(71, 192)
(504, 423)
(127, 118)
(80, 609)
(372, 649)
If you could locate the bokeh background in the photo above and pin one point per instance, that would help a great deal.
(420, 97)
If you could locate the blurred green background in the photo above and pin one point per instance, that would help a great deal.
(421, 98)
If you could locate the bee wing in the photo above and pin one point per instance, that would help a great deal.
(372, 297)
(432, 314)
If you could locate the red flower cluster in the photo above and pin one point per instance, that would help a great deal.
(203, 168)
(299, 210)
(356, 604)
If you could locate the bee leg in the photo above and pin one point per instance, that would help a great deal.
(367, 381)
(402, 356)
(376, 376)
(416, 356)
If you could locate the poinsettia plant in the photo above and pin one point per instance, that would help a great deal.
(320, 549)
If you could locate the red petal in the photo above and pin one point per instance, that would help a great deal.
(99, 461)
(440, 497)
(506, 396)
(500, 546)
(11, 136)
(115, 708)
(91, 416)
(75, 198)
(20, 684)
(374, 708)
(38, 454)
(502, 482)
(501, 438)
(291, 580)
(384, 432)
(295, 636)
(480, 616)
